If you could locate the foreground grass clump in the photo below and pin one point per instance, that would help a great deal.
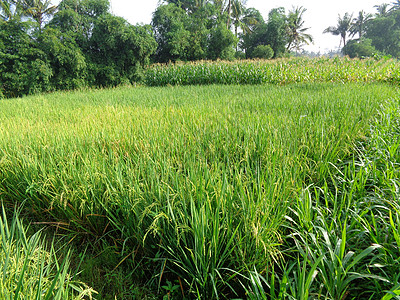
(192, 182)
(283, 71)
(343, 236)
(29, 270)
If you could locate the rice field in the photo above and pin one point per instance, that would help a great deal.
(261, 191)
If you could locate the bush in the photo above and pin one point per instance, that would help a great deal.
(262, 51)
(360, 49)
(240, 55)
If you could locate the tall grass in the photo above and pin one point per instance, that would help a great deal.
(343, 236)
(283, 71)
(31, 270)
(195, 179)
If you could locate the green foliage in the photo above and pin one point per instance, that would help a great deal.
(221, 43)
(272, 33)
(24, 68)
(81, 46)
(262, 51)
(65, 58)
(360, 49)
(283, 71)
(121, 50)
(183, 35)
(195, 181)
(296, 33)
(384, 31)
(171, 35)
(32, 270)
(343, 27)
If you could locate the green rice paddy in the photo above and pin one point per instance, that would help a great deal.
(215, 191)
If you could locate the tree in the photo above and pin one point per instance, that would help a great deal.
(190, 6)
(222, 43)
(262, 51)
(23, 68)
(342, 28)
(238, 9)
(382, 10)
(7, 10)
(276, 31)
(244, 18)
(172, 37)
(296, 32)
(38, 10)
(359, 48)
(66, 58)
(272, 33)
(250, 19)
(395, 5)
(78, 18)
(119, 50)
(384, 33)
(359, 24)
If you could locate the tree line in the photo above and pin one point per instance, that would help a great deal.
(370, 34)
(79, 43)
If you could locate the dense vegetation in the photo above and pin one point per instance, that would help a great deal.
(280, 71)
(257, 179)
(214, 191)
(80, 44)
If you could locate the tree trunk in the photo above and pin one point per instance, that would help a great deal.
(228, 25)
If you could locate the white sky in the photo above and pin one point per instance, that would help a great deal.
(319, 15)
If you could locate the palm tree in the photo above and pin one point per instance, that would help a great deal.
(5, 10)
(359, 24)
(395, 5)
(295, 29)
(219, 5)
(228, 9)
(250, 19)
(342, 28)
(38, 9)
(382, 10)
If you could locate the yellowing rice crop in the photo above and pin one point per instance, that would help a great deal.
(222, 191)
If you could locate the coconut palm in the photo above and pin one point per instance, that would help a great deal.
(296, 32)
(9, 9)
(359, 24)
(238, 9)
(382, 10)
(228, 9)
(250, 19)
(38, 9)
(342, 28)
(395, 5)
(5, 10)
(219, 5)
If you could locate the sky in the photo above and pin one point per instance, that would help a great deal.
(319, 14)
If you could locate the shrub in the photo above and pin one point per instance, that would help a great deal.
(263, 51)
(359, 49)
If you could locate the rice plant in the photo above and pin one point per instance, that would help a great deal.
(30, 269)
(201, 182)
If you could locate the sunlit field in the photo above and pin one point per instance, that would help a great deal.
(218, 191)
(279, 71)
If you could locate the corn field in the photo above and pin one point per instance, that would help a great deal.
(281, 71)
